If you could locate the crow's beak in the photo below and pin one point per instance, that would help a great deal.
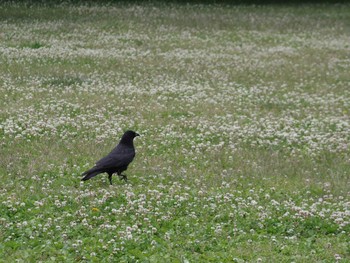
(136, 134)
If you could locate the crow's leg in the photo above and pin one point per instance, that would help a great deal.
(110, 178)
(123, 177)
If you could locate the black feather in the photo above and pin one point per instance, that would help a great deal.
(117, 160)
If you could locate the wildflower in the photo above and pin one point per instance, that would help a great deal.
(337, 257)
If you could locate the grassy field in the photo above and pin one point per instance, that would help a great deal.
(243, 113)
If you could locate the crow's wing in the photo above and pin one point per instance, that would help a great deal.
(117, 158)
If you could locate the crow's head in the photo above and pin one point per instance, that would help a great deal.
(130, 135)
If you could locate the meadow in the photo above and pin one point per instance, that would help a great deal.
(243, 112)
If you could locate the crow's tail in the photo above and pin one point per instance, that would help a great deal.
(90, 173)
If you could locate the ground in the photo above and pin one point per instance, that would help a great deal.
(243, 113)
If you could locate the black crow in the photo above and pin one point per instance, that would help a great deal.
(117, 160)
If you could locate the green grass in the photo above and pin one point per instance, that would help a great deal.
(243, 115)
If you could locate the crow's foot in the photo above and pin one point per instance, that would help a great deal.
(123, 177)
